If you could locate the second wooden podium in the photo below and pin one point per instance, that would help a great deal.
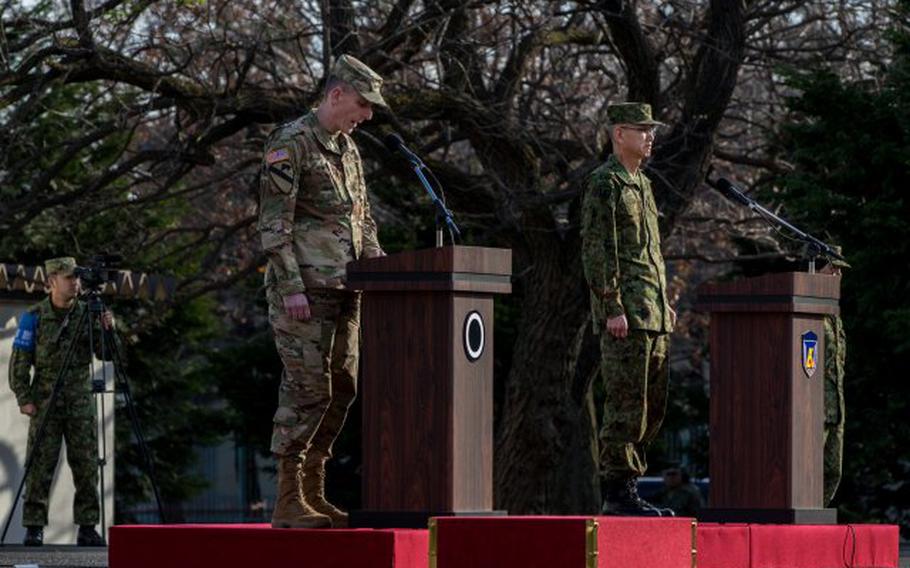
(767, 409)
(427, 370)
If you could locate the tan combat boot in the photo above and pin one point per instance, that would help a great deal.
(291, 510)
(314, 490)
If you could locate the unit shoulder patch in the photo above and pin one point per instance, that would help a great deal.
(281, 176)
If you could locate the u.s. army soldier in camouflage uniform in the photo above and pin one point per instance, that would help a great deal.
(41, 341)
(835, 357)
(625, 271)
(314, 218)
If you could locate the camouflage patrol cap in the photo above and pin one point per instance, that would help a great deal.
(64, 265)
(364, 80)
(631, 113)
(836, 261)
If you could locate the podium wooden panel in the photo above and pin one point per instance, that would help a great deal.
(767, 413)
(427, 404)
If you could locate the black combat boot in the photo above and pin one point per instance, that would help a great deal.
(621, 499)
(34, 536)
(88, 536)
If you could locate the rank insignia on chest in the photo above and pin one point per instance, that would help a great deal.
(809, 342)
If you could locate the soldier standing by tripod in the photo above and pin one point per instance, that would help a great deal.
(44, 334)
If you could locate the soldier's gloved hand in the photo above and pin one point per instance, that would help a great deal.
(28, 409)
(297, 306)
(618, 326)
(107, 320)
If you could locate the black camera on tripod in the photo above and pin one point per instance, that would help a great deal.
(101, 269)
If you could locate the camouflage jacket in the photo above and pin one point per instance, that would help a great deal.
(835, 360)
(42, 351)
(621, 250)
(314, 213)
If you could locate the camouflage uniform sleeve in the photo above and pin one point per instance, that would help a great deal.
(20, 366)
(835, 358)
(22, 359)
(371, 247)
(278, 199)
(599, 249)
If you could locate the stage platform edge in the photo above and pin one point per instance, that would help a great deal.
(567, 542)
(506, 542)
(797, 546)
(259, 545)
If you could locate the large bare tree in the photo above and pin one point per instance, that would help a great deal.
(160, 104)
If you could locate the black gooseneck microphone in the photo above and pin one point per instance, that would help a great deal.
(394, 143)
(730, 191)
(816, 247)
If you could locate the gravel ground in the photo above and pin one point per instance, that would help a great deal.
(51, 555)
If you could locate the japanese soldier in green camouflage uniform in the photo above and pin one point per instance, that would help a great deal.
(835, 356)
(314, 218)
(39, 349)
(625, 271)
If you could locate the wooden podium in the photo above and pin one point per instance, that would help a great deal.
(427, 361)
(767, 397)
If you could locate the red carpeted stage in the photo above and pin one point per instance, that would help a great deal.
(595, 542)
(797, 546)
(505, 542)
(261, 546)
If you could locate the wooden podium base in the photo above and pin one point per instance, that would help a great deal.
(769, 516)
(408, 519)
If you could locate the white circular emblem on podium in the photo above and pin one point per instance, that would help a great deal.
(474, 335)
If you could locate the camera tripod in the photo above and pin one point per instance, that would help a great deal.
(93, 311)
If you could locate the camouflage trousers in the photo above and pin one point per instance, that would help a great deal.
(636, 378)
(319, 381)
(72, 419)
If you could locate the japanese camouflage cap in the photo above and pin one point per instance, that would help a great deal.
(364, 80)
(631, 113)
(836, 261)
(65, 265)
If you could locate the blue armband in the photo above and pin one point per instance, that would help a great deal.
(25, 335)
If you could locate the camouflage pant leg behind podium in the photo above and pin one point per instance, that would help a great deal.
(835, 359)
(319, 381)
(635, 375)
(75, 422)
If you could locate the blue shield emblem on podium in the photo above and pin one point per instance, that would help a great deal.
(809, 352)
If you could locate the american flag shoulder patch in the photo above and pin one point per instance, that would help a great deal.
(276, 156)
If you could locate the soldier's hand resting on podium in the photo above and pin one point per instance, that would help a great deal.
(297, 306)
(618, 326)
